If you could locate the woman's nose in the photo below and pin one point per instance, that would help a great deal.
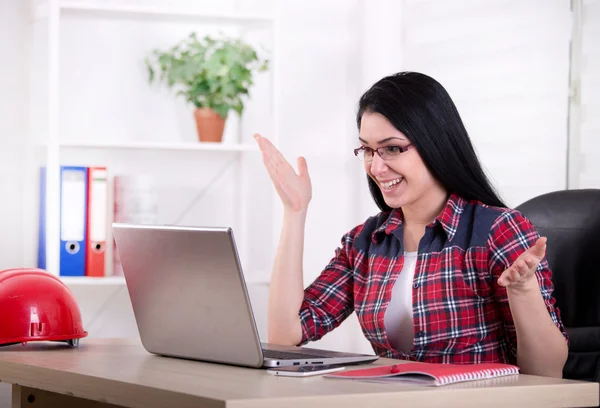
(378, 165)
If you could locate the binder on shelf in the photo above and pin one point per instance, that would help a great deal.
(97, 218)
(73, 220)
(41, 256)
(73, 203)
(135, 201)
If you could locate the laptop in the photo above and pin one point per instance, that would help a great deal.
(189, 299)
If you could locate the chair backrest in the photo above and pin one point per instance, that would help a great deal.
(570, 220)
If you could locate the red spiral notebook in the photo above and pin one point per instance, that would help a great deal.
(429, 373)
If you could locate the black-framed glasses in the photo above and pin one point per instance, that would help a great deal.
(365, 153)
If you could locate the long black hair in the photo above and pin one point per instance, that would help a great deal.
(419, 107)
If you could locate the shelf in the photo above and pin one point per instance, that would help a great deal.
(124, 152)
(200, 146)
(87, 280)
(158, 12)
(120, 280)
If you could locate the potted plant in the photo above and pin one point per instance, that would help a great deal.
(213, 74)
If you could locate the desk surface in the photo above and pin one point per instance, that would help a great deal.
(121, 372)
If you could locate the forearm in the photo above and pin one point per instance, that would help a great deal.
(286, 290)
(541, 347)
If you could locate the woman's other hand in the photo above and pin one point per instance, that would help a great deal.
(520, 277)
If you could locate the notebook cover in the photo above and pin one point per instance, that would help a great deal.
(436, 374)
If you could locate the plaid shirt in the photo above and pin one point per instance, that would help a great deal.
(460, 313)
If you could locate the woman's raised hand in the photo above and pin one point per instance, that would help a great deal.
(294, 189)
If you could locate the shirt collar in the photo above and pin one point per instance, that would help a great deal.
(448, 218)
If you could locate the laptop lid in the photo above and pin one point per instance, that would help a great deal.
(188, 293)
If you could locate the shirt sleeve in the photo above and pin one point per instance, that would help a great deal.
(329, 300)
(511, 235)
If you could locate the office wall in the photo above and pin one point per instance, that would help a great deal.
(13, 110)
(587, 143)
(506, 65)
(13, 125)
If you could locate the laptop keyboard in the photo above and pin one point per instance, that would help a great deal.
(285, 355)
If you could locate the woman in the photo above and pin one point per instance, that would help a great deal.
(445, 272)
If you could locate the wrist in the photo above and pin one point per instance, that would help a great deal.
(525, 288)
(291, 215)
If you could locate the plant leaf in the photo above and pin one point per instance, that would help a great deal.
(213, 72)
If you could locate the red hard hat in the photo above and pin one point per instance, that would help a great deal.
(36, 306)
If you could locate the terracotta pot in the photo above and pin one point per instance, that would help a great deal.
(210, 125)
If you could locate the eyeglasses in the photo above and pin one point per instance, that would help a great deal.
(365, 153)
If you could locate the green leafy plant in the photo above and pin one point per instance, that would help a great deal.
(209, 72)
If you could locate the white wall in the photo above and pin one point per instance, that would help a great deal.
(13, 110)
(506, 65)
(587, 172)
(13, 125)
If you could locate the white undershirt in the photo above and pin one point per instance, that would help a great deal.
(398, 317)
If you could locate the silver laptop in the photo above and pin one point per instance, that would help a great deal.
(189, 299)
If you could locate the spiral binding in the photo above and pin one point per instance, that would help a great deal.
(477, 375)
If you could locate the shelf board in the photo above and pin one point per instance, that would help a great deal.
(166, 12)
(200, 146)
(120, 280)
(87, 280)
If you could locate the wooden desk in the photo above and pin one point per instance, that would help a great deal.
(120, 372)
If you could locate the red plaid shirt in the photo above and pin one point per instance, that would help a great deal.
(460, 313)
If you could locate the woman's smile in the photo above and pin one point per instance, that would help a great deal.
(391, 186)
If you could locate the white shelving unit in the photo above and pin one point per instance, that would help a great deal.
(206, 146)
(49, 145)
(108, 280)
(44, 10)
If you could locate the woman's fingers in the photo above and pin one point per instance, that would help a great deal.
(272, 156)
(277, 167)
(514, 274)
(293, 188)
(519, 271)
(539, 249)
(268, 149)
(531, 262)
(302, 167)
(525, 266)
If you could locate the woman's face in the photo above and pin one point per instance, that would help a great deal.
(403, 179)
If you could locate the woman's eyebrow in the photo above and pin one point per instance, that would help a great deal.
(384, 140)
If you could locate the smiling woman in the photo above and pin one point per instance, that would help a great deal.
(445, 273)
